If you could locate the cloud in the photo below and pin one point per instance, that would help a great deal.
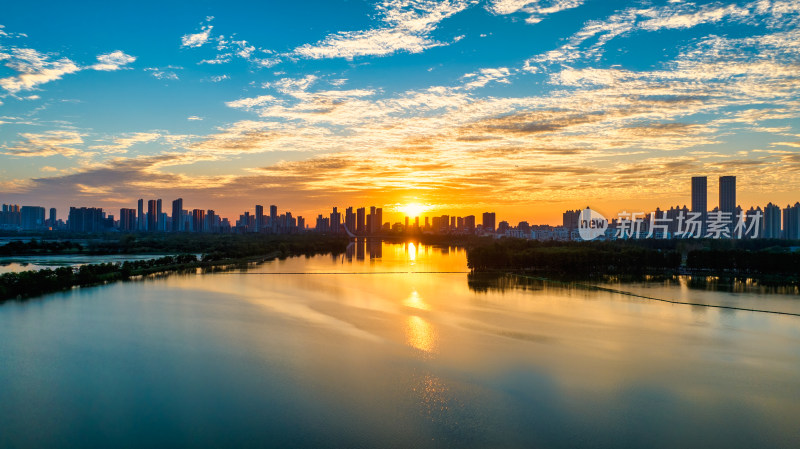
(113, 61)
(194, 118)
(590, 41)
(536, 8)
(247, 103)
(787, 144)
(407, 26)
(172, 76)
(228, 48)
(34, 68)
(48, 143)
(198, 39)
(164, 73)
(122, 144)
(484, 76)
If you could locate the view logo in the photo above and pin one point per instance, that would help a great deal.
(591, 224)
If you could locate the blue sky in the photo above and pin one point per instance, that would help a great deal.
(523, 107)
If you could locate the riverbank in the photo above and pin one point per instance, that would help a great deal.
(218, 253)
(762, 260)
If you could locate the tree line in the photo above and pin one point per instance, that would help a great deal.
(216, 251)
(634, 258)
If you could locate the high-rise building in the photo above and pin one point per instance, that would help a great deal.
(488, 221)
(273, 218)
(323, 223)
(372, 224)
(335, 220)
(32, 217)
(259, 218)
(198, 220)
(159, 222)
(177, 212)
(727, 194)
(569, 219)
(699, 194)
(791, 222)
(86, 219)
(361, 220)
(53, 218)
(502, 227)
(350, 219)
(141, 223)
(469, 223)
(771, 225)
(10, 217)
(127, 220)
(152, 218)
(210, 222)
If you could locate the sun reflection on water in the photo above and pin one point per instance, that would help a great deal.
(415, 302)
(421, 335)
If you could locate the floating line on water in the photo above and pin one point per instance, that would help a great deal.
(349, 272)
(670, 301)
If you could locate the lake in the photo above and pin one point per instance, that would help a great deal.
(395, 345)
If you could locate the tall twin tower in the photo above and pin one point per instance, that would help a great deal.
(727, 194)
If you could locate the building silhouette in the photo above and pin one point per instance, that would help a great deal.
(727, 194)
(177, 212)
(86, 219)
(771, 225)
(32, 217)
(791, 222)
(127, 220)
(152, 218)
(488, 221)
(141, 225)
(361, 214)
(700, 194)
(259, 218)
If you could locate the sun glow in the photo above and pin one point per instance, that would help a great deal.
(413, 209)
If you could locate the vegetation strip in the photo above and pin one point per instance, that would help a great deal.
(359, 272)
(670, 301)
(219, 253)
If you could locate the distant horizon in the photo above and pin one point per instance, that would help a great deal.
(391, 210)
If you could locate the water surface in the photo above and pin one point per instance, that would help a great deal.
(392, 346)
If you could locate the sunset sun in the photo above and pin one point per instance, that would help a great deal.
(413, 209)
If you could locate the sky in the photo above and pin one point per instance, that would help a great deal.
(525, 108)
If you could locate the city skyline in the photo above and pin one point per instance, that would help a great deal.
(523, 107)
(726, 219)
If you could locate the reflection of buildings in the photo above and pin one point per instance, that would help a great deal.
(350, 251)
(375, 247)
(360, 248)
